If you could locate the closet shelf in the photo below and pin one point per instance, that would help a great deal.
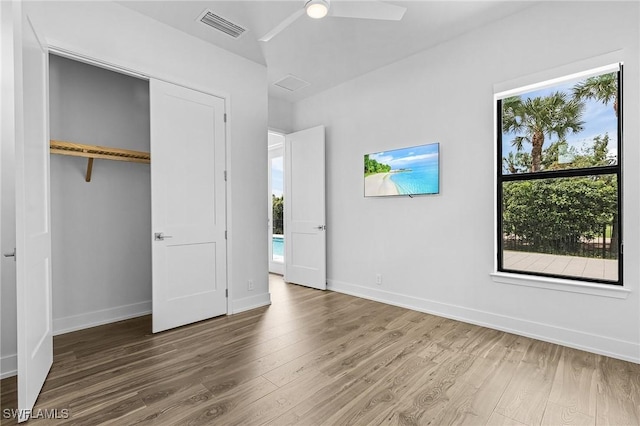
(93, 151)
(101, 152)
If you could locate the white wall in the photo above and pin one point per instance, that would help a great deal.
(280, 115)
(117, 35)
(101, 244)
(435, 253)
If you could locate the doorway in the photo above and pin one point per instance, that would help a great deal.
(100, 207)
(276, 202)
(296, 207)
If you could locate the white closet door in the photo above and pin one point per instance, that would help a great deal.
(304, 208)
(33, 237)
(187, 206)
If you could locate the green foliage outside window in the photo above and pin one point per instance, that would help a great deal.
(558, 215)
(278, 214)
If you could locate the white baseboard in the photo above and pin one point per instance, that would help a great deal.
(8, 366)
(251, 302)
(598, 344)
(103, 316)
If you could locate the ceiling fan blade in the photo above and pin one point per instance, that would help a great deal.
(282, 25)
(367, 10)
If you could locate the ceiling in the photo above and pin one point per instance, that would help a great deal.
(329, 51)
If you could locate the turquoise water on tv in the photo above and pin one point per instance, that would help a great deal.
(422, 179)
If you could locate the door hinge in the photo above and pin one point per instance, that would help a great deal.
(225, 175)
(225, 117)
(14, 254)
(225, 234)
(226, 292)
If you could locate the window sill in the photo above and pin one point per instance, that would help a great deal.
(557, 284)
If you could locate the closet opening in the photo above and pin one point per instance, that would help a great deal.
(99, 122)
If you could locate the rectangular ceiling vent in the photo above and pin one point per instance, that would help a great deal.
(292, 83)
(221, 24)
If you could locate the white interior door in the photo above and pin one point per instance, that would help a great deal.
(33, 237)
(304, 209)
(187, 206)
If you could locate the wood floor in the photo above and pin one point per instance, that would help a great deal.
(316, 357)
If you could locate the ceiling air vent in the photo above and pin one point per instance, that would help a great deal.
(291, 83)
(219, 23)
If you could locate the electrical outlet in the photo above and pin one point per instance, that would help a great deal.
(379, 279)
(250, 285)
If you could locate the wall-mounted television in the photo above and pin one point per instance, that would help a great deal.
(406, 171)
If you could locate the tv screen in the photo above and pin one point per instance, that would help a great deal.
(406, 171)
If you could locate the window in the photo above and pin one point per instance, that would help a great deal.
(559, 178)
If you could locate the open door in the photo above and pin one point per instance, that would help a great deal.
(33, 237)
(304, 208)
(187, 206)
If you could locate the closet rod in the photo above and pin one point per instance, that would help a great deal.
(92, 151)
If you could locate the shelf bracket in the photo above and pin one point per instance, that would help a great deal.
(89, 170)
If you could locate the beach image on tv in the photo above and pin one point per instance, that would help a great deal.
(406, 171)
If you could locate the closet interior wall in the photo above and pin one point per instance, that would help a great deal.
(101, 230)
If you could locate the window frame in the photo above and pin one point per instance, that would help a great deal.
(616, 170)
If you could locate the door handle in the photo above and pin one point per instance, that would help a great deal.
(11, 254)
(159, 236)
(321, 227)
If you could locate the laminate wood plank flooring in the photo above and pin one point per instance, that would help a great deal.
(324, 358)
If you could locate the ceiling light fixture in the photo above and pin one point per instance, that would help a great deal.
(317, 9)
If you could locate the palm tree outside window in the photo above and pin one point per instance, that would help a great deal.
(559, 179)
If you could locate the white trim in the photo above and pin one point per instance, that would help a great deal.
(558, 80)
(100, 317)
(58, 51)
(558, 284)
(587, 67)
(73, 52)
(251, 302)
(273, 151)
(277, 145)
(8, 366)
(600, 64)
(277, 131)
(227, 188)
(603, 345)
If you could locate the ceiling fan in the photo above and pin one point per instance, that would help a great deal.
(320, 8)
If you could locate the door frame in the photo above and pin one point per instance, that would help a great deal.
(73, 53)
(69, 52)
(274, 151)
